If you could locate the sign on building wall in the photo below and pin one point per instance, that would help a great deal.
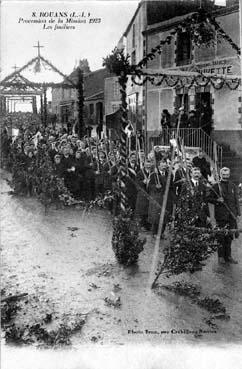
(229, 66)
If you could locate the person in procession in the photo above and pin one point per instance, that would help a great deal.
(197, 196)
(130, 180)
(142, 201)
(200, 162)
(156, 188)
(224, 197)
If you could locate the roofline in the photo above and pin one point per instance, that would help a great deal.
(132, 19)
(95, 71)
(166, 24)
(170, 23)
(94, 95)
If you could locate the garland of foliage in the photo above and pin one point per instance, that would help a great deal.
(224, 35)
(126, 243)
(123, 148)
(199, 25)
(188, 82)
(33, 84)
(19, 85)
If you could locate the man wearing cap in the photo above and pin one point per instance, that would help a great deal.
(200, 162)
(224, 196)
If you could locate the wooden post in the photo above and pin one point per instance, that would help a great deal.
(123, 149)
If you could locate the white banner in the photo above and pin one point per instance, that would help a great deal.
(220, 2)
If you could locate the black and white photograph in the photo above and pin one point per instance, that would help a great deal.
(121, 184)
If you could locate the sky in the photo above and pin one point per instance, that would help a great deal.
(62, 47)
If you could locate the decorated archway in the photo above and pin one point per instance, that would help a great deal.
(31, 82)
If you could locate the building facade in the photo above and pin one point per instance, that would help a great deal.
(181, 54)
(65, 100)
(154, 21)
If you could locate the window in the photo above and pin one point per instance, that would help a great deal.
(115, 107)
(133, 58)
(91, 109)
(183, 48)
(182, 100)
(116, 89)
(133, 36)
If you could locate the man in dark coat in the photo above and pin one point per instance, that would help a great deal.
(200, 162)
(130, 181)
(156, 190)
(193, 121)
(165, 119)
(79, 164)
(200, 191)
(180, 178)
(58, 166)
(224, 196)
(68, 169)
(142, 201)
(206, 117)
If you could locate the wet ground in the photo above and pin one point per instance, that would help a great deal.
(65, 257)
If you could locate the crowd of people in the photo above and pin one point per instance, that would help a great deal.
(191, 119)
(90, 167)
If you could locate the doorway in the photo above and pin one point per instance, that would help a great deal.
(203, 103)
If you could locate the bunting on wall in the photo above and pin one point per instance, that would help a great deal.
(188, 82)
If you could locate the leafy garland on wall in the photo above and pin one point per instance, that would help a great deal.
(200, 26)
(188, 82)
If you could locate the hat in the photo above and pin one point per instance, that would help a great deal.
(57, 156)
(224, 169)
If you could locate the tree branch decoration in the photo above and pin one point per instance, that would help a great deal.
(117, 63)
(126, 243)
(189, 245)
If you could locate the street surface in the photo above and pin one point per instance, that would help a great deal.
(75, 270)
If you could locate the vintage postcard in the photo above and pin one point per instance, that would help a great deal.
(121, 184)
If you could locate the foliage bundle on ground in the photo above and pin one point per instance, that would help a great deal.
(193, 291)
(126, 243)
(184, 289)
(41, 327)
